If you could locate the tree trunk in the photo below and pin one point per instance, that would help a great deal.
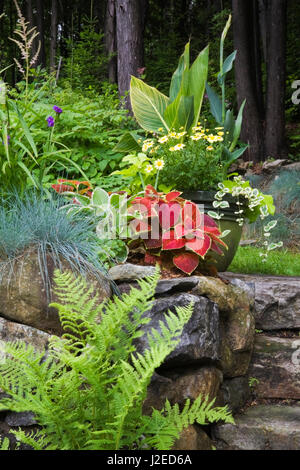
(40, 27)
(246, 83)
(53, 42)
(29, 18)
(110, 40)
(130, 47)
(276, 69)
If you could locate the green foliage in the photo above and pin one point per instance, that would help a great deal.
(85, 67)
(279, 262)
(87, 391)
(232, 126)
(156, 112)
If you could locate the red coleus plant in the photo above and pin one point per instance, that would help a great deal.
(73, 186)
(167, 223)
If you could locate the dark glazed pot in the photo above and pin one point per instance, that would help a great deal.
(205, 199)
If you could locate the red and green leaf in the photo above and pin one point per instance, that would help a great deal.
(186, 262)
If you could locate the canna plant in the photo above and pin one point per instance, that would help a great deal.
(232, 127)
(171, 227)
(156, 112)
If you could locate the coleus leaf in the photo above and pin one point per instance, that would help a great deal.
(62, 188)
(190, 210)
(170, 242)
(153, 243)
(152, 259)
(186, 262)
(199, 246)
(172, 196)
(169, 214)
(209, 221)
(216, 248)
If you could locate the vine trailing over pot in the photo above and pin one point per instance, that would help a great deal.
(173, 230)
(252, 204)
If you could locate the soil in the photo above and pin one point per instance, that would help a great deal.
(168, 271)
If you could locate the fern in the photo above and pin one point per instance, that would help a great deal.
(87, 390)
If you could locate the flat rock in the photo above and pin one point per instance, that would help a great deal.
(178, 284)
(199, 341)
(277, 300)
(262, 427)
(25, 419)
(276, 365)
(165, 286)
(130, 272)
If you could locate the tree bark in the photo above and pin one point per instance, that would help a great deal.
(110, 40)
(29, 18)
(246, 83)
(40, 27)
(276, 75)
(53, 42)
(130, 47)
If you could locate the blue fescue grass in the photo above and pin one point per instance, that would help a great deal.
(35, 223)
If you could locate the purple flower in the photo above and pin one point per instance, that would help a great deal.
(57, 110)
(50, 121)
(8, 139)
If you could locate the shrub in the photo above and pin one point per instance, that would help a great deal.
(87, 392)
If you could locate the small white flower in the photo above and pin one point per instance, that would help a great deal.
(149, 168)
(159, 164)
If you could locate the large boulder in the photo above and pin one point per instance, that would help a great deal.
(181, 385)
(276, 366)
(237, 325)
(193, 438)
(263, 427)
(23, 296)
(277, 300)
(199, 341)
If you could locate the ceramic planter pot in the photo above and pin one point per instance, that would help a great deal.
(228, 222)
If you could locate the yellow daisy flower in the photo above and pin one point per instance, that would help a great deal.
(209, 148)
(163, 139)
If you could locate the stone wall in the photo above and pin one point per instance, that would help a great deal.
(212, 357)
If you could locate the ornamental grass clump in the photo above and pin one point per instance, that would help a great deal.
(33, 224)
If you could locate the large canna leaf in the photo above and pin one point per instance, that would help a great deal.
(238, 127)
(180, 113)
(215, 104)
(197, 79)
(228, 63)
(179, 82)
(127, 144)
(148, 105)
(229, 125)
